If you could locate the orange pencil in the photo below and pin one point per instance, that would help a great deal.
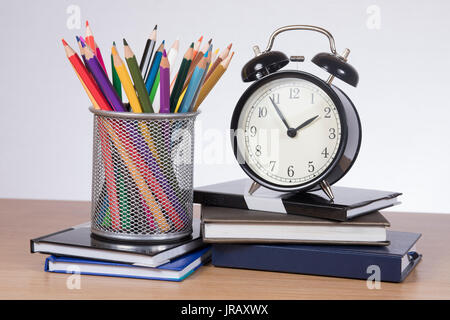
(89, 37)
(196, 47)
(85, 77)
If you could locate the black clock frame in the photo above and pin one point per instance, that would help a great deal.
(351, 134)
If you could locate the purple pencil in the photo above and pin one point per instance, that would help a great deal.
(102, 80)
(164, 84)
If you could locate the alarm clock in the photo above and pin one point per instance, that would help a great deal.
(291, 130)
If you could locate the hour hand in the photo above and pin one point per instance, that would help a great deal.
(279, 113)
(307, 122)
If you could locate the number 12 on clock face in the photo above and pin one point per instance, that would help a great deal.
(291, 131)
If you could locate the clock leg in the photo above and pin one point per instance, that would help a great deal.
(327, 189)
(255, 186)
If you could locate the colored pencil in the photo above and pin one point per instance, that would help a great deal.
(91, 87)
(171, 58)
(213, 58)
(194, 84)
(219, 59)
(154, 68)
(195, 61)
(115, 77)
(122, 74)
(150, 171)
(82, 40)
(102, 80)
(197, 47)
(90, 37)
(110, 181)
(148, 52)
(137, 177)
(99, 56)
(202, 81)
(81, 44)
(182, 74)
(155, 87)
(212, 80)
(137, 79)
(164, 70)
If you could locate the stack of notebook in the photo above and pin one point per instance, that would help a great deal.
(77, 250)
(305, 233)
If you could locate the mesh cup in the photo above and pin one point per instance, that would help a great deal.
(142, 179)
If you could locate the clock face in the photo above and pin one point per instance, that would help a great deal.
(288, 132)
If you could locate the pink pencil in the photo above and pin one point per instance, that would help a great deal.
(164, 84)
(98, 54)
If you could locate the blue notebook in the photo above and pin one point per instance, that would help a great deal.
(395, 261)
(176, 270)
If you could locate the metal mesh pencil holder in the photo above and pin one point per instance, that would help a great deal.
(142, 179)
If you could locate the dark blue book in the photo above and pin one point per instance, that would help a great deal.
(395, 261)
(176, 270)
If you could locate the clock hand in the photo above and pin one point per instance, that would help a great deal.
(279, 113)
(307, 122)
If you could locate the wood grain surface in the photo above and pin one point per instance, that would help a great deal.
(22, 274)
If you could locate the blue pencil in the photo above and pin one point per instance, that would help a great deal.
(154, 68)
(194, 85)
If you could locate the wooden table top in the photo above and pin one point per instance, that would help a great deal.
(22, 274)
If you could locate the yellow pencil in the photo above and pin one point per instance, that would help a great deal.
(212, 80)
(126, 82)
(213, 59)
(180, 99)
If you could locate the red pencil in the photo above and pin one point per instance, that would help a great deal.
(85, 77)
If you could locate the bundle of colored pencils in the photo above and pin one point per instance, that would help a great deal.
(132, 155)
(152, 85)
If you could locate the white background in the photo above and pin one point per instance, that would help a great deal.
(402, 98)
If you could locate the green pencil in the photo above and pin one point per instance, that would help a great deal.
(115, 77)
(154, 88)
(182, 73)
(137, 79)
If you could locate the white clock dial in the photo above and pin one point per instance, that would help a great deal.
(289, 131)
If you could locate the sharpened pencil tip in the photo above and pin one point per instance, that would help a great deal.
(78, 38)
(192, 45)
(156, 27)
(210, 40)
(200, 39)
(229, 46)
(64, 42)
(164, 53)
(87, 23)
(125, 43)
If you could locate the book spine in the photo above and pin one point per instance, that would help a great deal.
(313, 262)
(266, 204)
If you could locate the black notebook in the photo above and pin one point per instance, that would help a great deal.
(228, 225)
(347, 204)
(78, 242)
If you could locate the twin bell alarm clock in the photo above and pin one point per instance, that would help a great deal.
(290, 130)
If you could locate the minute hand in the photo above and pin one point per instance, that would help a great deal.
(279, 113)
(307, 122)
